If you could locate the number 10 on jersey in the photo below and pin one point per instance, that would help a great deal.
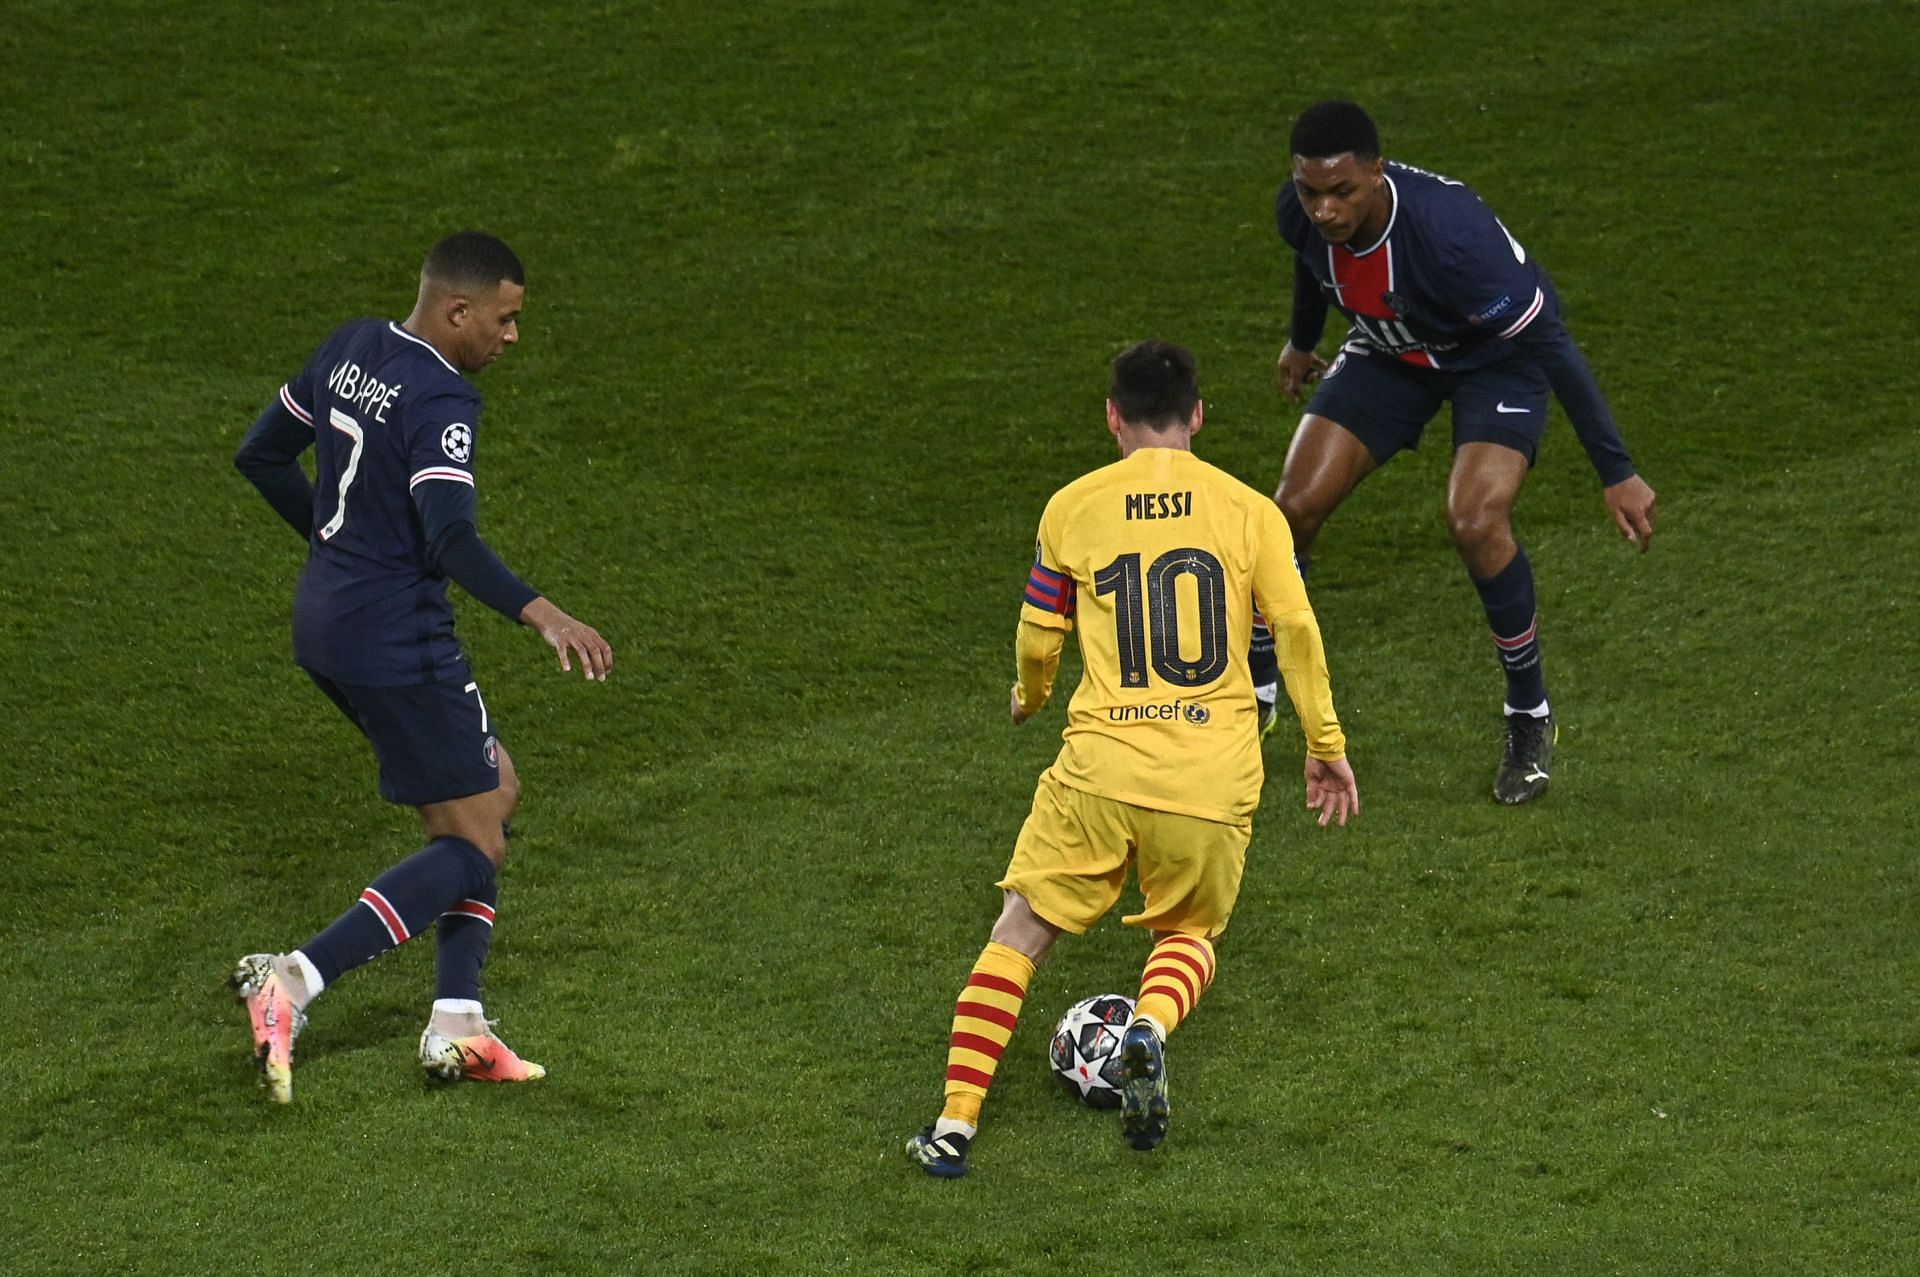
(1146, 616)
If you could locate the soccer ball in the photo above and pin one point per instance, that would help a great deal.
(1085, 1051)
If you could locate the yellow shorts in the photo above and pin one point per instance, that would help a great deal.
(1071, 859)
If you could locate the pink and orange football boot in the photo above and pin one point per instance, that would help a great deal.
(479, 1058)
(277, 1022)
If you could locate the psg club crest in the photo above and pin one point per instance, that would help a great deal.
(492, 752)
(457, 442)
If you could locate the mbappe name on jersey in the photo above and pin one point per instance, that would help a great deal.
(1159, 505)
(362, 390)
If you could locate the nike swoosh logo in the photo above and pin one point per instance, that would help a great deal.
(1537, 774)
(1502, 407)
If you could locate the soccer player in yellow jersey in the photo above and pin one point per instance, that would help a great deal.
(1161, 559)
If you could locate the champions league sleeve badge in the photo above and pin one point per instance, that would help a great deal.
(457, 442)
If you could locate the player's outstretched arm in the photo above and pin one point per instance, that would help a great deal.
(1331, 790)
(570, 638)
(1631, 502)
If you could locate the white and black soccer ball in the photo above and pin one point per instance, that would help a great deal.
(1085, 1051)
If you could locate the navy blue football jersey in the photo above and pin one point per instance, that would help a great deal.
(388, 414)
(1445, 287)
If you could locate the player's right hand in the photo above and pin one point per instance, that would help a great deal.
(570, 638)
(1631, 502)
(1331, 790)
(1295, 370)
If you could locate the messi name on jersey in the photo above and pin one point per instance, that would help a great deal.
(1159, 505)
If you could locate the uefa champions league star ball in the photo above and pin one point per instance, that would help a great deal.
(1085, 1051)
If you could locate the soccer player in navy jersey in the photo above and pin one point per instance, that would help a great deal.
(394, 424)
(1443, 305)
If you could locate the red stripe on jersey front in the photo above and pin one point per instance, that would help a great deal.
(974, 1042)
(998, 983)
(1361, 279)
(388, 915)
(1362, 282)
(981, 1011)
(286, 401)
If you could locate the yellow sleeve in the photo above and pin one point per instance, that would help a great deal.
(1303, 666)
(1051, 597)
(1282, 598)
(1036, 658)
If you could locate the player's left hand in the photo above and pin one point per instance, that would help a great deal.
(1331, 790)
(1019, 715)
(1631, 502)
(569, 638)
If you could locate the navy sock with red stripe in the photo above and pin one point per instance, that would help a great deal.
(1508, 599)
(464, 935)
(401, 903)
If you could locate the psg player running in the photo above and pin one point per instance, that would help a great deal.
(394, 425)
(1444, 305)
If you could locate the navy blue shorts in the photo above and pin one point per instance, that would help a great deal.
(1387, 403)
(434, 741)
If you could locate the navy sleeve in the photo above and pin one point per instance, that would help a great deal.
(455, 549)
(1309, 308)
(1309, 321)
(270, 459)
(1547, 340)
(1493, 284)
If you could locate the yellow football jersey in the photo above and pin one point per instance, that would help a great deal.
(1160, 560)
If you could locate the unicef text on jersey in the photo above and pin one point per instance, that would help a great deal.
(1167, 711)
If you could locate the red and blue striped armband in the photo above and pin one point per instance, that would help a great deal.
(1050, 591)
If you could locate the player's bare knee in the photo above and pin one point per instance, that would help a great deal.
(1021, 929)
(496, 850)
(1305, 512)
(1478, 529)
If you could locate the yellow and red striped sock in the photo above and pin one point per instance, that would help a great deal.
(1178, 971)
(983, 1020)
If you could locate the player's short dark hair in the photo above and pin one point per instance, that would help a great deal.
(472, 259)
(1155, 383)
(1332, 128)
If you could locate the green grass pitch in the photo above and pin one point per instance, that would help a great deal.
(821, 298)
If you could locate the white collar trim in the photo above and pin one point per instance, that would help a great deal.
(1391, 218)
(422, 342)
